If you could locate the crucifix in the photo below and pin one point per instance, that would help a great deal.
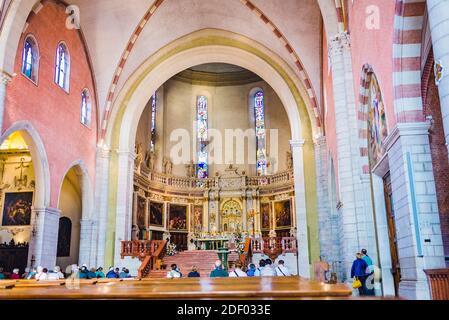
(22, 181)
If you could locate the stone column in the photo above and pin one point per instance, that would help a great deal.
(5, 78)
(123, 218)
(356, 230)
(44, 237)
(438, 12)
(86, 241)
(101, 201)
(300, 207)
(420, 245)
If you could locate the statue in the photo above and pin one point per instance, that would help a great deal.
(167, 166)
(150, 160)
(289, 160)
(190, 168)
(139, 155)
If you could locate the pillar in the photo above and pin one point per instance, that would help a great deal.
(101, 202)
(438, 13)
(86, 242)
(300, 207)
(44, 237)
(123, 217)
(420, 244)
(5, 78)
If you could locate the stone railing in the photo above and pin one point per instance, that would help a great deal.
(177, 182)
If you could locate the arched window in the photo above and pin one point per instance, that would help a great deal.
(62, 70)
(86, 108)
(202, 138)
(64, 237)
(30, 59)
(153, 123)
(259, 115)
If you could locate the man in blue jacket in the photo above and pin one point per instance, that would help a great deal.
(358, 270)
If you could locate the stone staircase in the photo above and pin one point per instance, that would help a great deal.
(203, 259)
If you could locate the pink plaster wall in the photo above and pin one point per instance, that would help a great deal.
(53, 112)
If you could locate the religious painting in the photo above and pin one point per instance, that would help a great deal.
(17, 208)
(156, 214)
(140, 213)
(177, 217)
(197, 219)
(377, 122)
(265, 209)
(283, 213)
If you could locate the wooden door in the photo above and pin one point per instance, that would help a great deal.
(395, 270)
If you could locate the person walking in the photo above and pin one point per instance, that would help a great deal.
(358, 272)
(369, 284)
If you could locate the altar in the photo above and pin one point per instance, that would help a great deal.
(211, 243)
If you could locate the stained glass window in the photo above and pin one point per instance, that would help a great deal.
(29, 59)
(261, 153)
(153, 123)
(202, 137)
(62, 67)
(85, 108)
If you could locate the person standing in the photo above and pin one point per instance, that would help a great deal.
(370, 271)
(358, 271)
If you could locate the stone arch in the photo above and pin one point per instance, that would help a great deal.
(205, 46)
(40, 160)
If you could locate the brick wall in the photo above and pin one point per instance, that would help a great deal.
(439, 157)
(54, 112)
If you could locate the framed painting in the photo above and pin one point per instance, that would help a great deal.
(177, 217)
(156, 214)
(265, 216)
(283, 214)
(17, 208)
(140, 214)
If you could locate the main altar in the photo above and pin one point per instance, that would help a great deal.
(207, 214)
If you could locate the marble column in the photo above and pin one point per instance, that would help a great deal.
(300, 207)
(44, 237)
(438, 13)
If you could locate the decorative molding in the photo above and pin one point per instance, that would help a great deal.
(217, 79)
(406, 129)
(297, 143)
(339, 43)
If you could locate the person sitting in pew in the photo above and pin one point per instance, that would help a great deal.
(174, 272)
(15, 274)
(83, 273)
(92, 274)
(41, 274)
(56, 274)
(124, 274)
(194, 273)
(282, 270)
(218, 271)
(237, 272)
(99, 273)
(31, 274)
(112, 274)
(2, 275)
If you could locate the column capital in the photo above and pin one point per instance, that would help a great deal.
(319, 140)
(5, 77)
(103, 151)
(406, 129)
(339, 42)
(297, 143)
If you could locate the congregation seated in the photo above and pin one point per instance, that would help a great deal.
(194, 273)
(56, 274)
(41, 274)
(83, 272)
(265, 269)
(124, 274)
(237, 272)
(113, 274)
(174, 272)
(15, 274)
(218, 271)
(2, 275)
(282, 270)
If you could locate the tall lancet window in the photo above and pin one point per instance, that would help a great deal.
(30, 59)
(259, 114)
(62, 69)
(202, 138)
(86, 109)
(153, 123)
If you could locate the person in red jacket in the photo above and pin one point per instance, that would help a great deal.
(15, 274)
